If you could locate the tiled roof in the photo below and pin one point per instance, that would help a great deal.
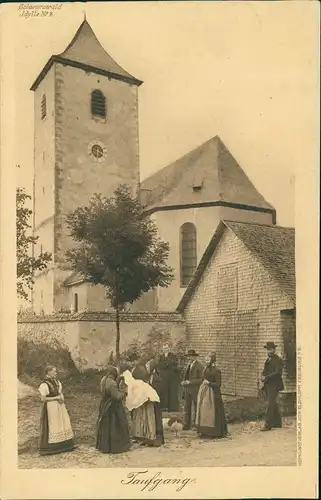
(207, 174)
(73, 279)
(93, 316)
(86, 51)
(273, 246)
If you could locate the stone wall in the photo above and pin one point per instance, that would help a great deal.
(234, 310)
(90, 337)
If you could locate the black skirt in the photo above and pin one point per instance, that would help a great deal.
(112, 431)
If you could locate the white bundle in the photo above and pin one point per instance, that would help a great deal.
(138, 392)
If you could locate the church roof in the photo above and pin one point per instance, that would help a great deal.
(74, 279)
(206, 175)
(86, 52)
(272, 246)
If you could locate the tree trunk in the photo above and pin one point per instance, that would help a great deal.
(117, 336)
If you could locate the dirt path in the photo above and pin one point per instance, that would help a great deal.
(246, 446)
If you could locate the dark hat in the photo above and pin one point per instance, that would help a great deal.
(191, 352)
(213, 357)
(270, 345)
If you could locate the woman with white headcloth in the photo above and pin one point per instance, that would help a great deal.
(144, 404)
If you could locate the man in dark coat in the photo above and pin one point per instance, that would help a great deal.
(272, 385)
(192, 380)
(169, 373)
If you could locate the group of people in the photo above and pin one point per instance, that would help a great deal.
(134, 395)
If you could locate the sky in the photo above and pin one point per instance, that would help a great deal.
(243, 71)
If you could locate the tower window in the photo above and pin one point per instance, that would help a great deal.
(98, 104)
(188, 250)
(43, 107)
(76, 302)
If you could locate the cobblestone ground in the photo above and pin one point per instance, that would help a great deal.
(245, 446)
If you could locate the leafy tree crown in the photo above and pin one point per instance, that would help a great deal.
(118, 247)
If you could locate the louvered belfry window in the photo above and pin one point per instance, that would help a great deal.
(98, 104)
(188, 252)
(43, 107)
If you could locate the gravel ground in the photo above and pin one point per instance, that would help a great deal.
(245, 445)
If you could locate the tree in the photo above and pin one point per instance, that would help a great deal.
(27, 264)
(118, 248)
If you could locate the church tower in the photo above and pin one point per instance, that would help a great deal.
(85, 142)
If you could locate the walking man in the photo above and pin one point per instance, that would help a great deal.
(272, 385)
(191, 384)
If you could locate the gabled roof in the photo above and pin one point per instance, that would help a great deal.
(272, 246)
(206, 174)
(74, 279)
(85, 51)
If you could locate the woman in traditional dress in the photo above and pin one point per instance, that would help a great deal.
(112, 431)
(56, 435)
(139, 371)
(143, 403)
(210, 414)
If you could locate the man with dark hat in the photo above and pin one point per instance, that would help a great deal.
(191, 383)
(272, 385)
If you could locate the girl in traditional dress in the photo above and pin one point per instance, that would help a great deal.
(56, 435)
(143, 403)
(112, 431)
(210, 414)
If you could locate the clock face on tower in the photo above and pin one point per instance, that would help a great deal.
(97, 150)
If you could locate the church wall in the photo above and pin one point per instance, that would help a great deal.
(44, 193)
(43, 292)
(206, 220)
(90, 337)
(93, 298)
(79, 176)
(44, 154)
(148, 302)
(239, 215)
(97, 300)
(235, 309)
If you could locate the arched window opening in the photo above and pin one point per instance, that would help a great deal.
(43, 107)
(188, 252)
(76, 302)
(98, 104)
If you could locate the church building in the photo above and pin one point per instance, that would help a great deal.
(86, 142)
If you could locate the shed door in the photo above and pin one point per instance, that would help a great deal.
(288, 326)
(223, 345)
(246, 349)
